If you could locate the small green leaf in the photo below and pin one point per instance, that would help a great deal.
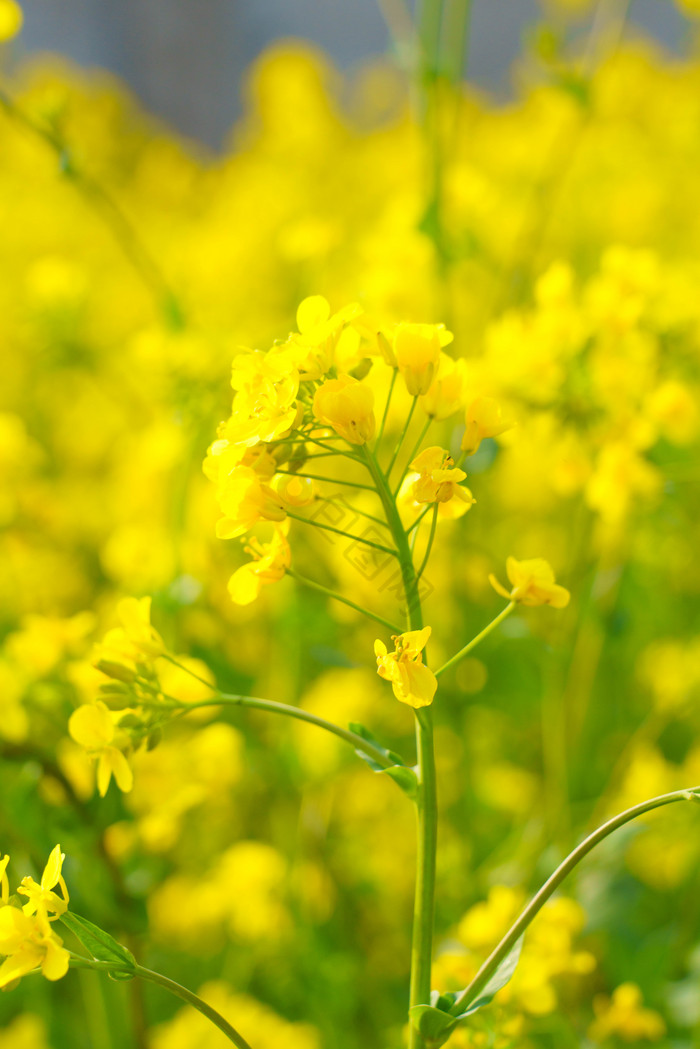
(499, 979)
(433, 1025)
(102, 946)
(401, 773)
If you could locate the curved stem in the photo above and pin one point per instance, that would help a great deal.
(77, 962)
(346, 601)
(475, 640)
(228, 699)
(518, 928)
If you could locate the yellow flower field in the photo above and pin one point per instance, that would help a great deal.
(348, 579)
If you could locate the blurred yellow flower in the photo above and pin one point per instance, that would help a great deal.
(624, 1016)
(533, 584)
(484, 418)
(269, 565)
(417, 352)
(11, 19)
(93, 727)
(413, 683)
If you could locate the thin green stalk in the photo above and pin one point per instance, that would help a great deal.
(426, 801)
(418, 520)
(411, 457)
(330, 480)
(335, 451)
(456, 39)
(339, 531)
(501, 952)
(400, 441)
(392, 384)
(227, 699)
(475, 640)
(429, 547)
(346, 601)
(360, 513)
(112, 215)
(77, 962)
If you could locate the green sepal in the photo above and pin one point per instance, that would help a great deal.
(402, 774)
(102, 946)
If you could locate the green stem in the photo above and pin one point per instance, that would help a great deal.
(360, 513)
(346, 601)
(104, 205)
(456, 39)
(329, 480)
(510, 939)
(418, 520)
(400, 441)
(227, 699)
(426, 801)
(392, 384)
(339, 531)
(429, 547)
(475, 640)
(411, 457)
(77, 962)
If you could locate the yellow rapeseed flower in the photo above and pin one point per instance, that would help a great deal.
(93, 727)
(533, 584)
(269, 565)
(245, 500)
(417, 352)
(348, 406)
(41, 898)
(483, 418)
(413, 683)
(438, 480)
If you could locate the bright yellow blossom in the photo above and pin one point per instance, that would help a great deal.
(417, 352)
(264, 406)
(533, 584)
(446, 393)
(269, 565)
(484, 418)
(413, 683)
(41, 898)
(135, 617)
(438, 481)
(348, 406)
(11, 19)
(93, 727)
(29, 943)
(245, 500)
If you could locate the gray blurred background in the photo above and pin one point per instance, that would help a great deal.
(186, 58)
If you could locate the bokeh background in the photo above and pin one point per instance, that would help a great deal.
(560, 244)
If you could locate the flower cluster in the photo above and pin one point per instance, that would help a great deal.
(27, 939)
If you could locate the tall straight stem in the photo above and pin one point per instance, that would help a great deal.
(426, 801)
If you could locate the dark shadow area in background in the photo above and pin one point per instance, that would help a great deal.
(186, 59)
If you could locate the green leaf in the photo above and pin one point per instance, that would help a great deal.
(433, 1025)
(402, 774)
(499, 979)
(102, 946)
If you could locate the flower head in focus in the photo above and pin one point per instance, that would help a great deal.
(347, 406)
(533, 584)
(26, 937)
(438, 480)
(244, 500)
(413, 683)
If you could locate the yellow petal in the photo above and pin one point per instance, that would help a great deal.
(52, 870)
(55, 964)
(91, 726)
